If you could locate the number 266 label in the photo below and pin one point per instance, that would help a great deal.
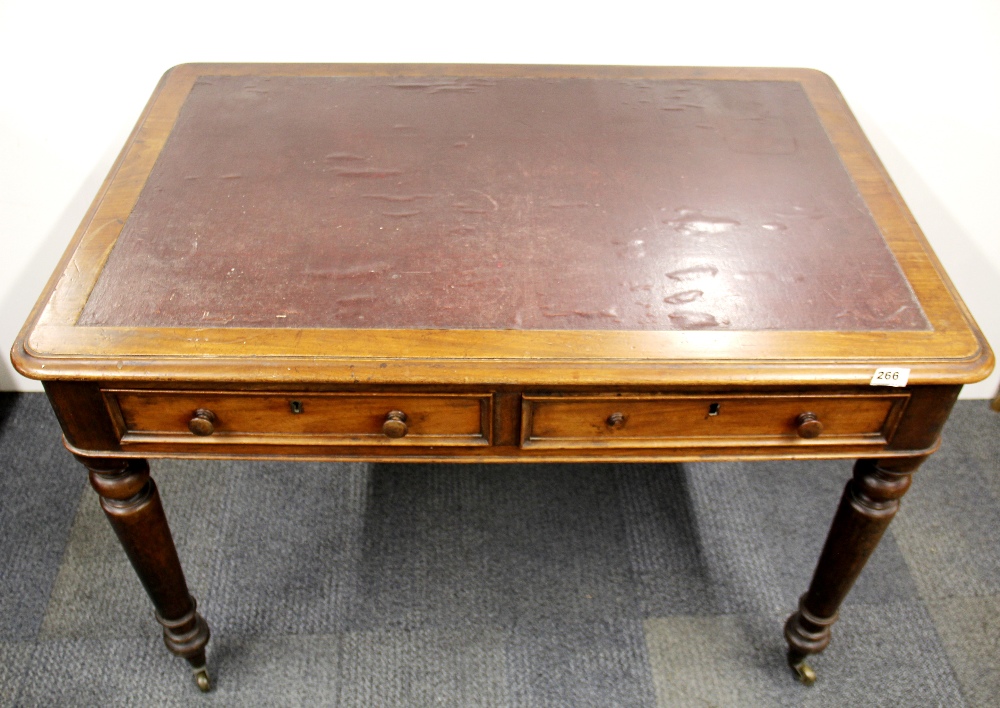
(890, 376)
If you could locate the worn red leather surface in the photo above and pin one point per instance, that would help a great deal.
(501, 203)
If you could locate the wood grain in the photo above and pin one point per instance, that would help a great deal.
(676, 421)
(316, 418)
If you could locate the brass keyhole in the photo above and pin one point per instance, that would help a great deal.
(296, 406)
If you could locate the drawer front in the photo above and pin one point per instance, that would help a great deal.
(207, 418)
(628, 421)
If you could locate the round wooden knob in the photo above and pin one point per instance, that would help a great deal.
(203, 422)
(616, 420)
(395, 424)
(807, 425)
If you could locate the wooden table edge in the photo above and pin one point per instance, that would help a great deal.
(525, 372)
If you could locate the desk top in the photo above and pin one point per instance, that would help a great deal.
(500, 203)
(436, 224)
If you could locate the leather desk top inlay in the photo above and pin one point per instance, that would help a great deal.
(500, 203)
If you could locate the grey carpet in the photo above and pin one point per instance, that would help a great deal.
(509, 585)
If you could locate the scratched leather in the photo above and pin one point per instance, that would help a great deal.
(501, 203)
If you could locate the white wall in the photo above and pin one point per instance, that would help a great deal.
(925, 85)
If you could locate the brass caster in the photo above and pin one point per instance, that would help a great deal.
(805, 673)
(201, 678)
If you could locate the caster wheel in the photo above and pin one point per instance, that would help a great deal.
(805, 673)
(201, 678)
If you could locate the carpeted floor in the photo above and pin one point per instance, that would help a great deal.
(436, 585)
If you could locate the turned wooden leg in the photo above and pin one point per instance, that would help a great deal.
(870, 501)
(132, 504)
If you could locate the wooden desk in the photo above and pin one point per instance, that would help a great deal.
(476, 263)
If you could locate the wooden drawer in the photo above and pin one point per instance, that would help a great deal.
(552, 421)
(228, 418)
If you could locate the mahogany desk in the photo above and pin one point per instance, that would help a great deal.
(479, 263)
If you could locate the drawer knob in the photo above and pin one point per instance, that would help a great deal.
(203, 422)
(395, 424)
(808, 426)
(616, 420)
